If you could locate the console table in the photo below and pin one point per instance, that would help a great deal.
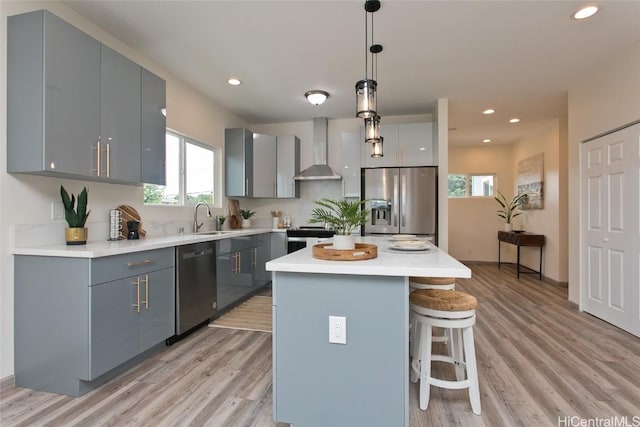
(522, 239)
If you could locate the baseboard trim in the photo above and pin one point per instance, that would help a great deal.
(7, 383)
(544, 278)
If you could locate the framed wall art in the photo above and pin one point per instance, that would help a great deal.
(530, 182)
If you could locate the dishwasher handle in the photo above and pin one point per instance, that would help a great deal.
(196, 254)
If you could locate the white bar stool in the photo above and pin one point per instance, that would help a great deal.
(452, 310)
(415, 282)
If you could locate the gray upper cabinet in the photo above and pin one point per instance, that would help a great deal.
(288, 165)
(250, 164)
(406, 144)
(119, 117)
(153, 128)
(73, 105)
(53, 96)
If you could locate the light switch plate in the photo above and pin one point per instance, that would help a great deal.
(337, 329)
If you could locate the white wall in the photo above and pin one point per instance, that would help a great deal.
(27, 199)
(473, 222)
(605, 98)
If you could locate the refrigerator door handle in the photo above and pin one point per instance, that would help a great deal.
(394, 206)
(403, 203)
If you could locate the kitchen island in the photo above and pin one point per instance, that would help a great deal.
(365, 380)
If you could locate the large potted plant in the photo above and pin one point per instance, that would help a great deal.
(76, 233)
(509, 209)
(343, 216)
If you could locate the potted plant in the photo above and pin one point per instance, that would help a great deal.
(246, 215)
(76, 233)
(343, 216)
(220, 222)
(509, 209)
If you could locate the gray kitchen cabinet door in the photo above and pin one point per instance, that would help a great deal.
(238, 163)
(228, 279)
(264, 166)
(114, 325)
(278, 247)
(53, 96)
(288, 166)
(416, 144)
(260, 256)
(153, 128)
(350, 170)
(157, 320)
(119, 117)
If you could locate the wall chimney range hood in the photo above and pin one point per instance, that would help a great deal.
(320, 169)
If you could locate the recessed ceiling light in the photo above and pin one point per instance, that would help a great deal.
(514, 120)
(585, 12)
(486, 140)
(234, 82)
(489, 111)
(452, 129)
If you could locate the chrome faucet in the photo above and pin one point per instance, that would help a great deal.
(197, 226)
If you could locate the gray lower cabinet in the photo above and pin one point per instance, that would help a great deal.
(78, 321)
(240, 267)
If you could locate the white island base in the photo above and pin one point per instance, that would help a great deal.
(365, 381)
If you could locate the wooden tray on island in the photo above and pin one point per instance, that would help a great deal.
(361, 252)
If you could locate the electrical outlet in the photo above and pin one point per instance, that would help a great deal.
(57, 210)
(337, 329)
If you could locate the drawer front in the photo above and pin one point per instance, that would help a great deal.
(116, 267)
(234, 244)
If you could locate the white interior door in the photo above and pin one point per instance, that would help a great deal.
(611, 239)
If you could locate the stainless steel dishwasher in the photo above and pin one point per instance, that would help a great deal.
(196, 290)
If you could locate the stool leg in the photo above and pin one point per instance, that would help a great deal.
(415, 362)
(458, 355)
(425, 366)
(412, 331)
(472, 370)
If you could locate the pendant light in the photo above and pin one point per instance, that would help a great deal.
(366, 89)
(372, 129)
(376, 148)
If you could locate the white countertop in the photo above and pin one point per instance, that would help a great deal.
(390, 262)
(98, 249)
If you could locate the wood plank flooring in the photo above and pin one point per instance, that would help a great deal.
(538, 359)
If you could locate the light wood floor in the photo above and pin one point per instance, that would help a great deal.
(538, 360)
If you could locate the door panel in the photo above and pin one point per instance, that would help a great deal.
(381, 189)
(418, 200)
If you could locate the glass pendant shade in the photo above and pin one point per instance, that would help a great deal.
(372, 129)
(366, 98)
(376, 148)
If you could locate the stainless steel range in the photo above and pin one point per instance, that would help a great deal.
(298, 238)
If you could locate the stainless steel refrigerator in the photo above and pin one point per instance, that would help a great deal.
(401, 200)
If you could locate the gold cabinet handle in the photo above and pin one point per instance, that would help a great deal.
(97, 169)
(108, 155)
(140, 263)
(254, 257)
(137, 305)
(146, 291)
(246, 186)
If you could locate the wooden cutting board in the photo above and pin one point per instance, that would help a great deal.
(234, 214)
(129, 214)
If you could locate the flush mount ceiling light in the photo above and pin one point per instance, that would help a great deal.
(316, 97)
(234, 82)
(585, 12)
(489, 111)
(514, 120)
(367, 89)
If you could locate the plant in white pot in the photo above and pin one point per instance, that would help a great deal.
(509, 209)
(76, 233)
(246, 215)
(343, 216)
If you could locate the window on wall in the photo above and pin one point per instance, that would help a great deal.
(189, 172)
(471, 185)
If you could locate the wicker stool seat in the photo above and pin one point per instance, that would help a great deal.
(455, 311)
(416, 282)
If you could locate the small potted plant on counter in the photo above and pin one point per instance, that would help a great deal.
(343, 216)
(76, 233)
(509, 209)
(246, 215)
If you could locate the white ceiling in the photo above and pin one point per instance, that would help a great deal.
(518, 57)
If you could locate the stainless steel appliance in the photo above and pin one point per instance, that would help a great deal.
(298, 238)
(196, 291)
(401, 200)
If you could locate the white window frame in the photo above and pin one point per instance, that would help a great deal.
(467, 185)
(182, 180)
